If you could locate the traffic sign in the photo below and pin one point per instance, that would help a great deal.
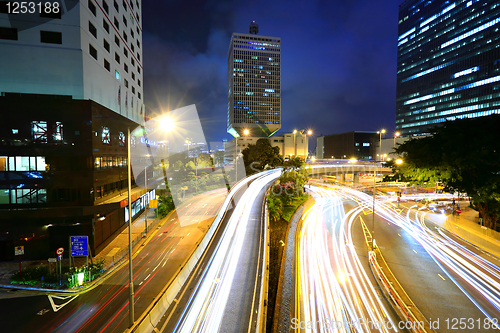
(79, 246)
(59, 257)
(60, 250)
(19, 250)
(52, 259)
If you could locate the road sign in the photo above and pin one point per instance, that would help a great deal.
(60, 250)
(59, 257)
(52, 259)
(19, 250)
(79, 246)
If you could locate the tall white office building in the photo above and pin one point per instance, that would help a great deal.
(89, 49)
(254, 84)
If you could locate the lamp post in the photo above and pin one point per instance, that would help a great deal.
(131, 281)
(294, 143)
(146, 201)
(380, 139)
(396, 135)
(166, 124)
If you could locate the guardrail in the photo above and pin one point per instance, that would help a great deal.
(405, 313)
(263, 300)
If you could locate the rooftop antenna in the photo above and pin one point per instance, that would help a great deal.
(254, 28)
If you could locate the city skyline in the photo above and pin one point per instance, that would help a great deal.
(338, 61)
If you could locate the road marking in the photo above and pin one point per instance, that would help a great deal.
(415, 251)
(42, 312)
(399, 235)
(204, 205)
(141, 283)
(56, 307)
(147, 277)
(441, 277)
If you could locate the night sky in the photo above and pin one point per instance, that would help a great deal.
(338, 60)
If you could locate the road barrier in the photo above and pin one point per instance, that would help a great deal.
(405, 308)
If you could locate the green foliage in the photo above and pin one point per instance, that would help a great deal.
(261, 156)
(165, 205)
(465, 156)
(30, 275)
(275, 208)
(219, 158)
(204, 160)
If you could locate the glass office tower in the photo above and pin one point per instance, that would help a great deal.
(254, 85)
(448, 63)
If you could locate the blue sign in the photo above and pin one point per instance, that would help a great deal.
(59, 257)
(79, 246)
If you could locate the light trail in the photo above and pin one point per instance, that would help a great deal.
(334, 289)
(466, 269)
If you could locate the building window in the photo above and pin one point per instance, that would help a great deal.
(125, 36)
(105, 136)
(132, 61)
(137, 15)
(139, 95)
(121, 139)
(43, 132)
(132, 47)
(125, 52)
(132, 32)
(126, 82)
(93, 51)
(138, 44)
(105, 6)
(106, 45)
(124, 20)
(92, 7)
(117, 57)
(133, 90)
(117, 24)
(138, 69)
(117, 41)
(106, 65)
(133, 76)
(132, 4)
(105, 25)
(124, 5)
(92, 30)
(138, 31)
(137, 2)
(8, 33)
(116, 6)
(138, 56)
(51, 37)
(117, 75)
(138, 82)
(125, 67)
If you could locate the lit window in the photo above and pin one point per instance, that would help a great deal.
(117, 75)
(105, 136)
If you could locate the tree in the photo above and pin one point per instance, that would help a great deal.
(260, 156)
(275, 208)
(166, 205)
(465, 156)
(204, 160)
(219, 158)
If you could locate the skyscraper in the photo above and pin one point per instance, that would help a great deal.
(85, 49)
(254, 84)
(448, 63)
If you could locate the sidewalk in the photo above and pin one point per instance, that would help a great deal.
(115, 251)
(466, 226)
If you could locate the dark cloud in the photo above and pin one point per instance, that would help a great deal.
(338, 59)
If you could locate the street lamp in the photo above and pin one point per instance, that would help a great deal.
(166, 124)
(396, 135)
(294, 143)
(380, 139)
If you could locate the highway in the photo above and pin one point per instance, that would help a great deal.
(105, 308)
(447, 278)
(222, 294)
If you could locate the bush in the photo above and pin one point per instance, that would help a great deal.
(30, 275)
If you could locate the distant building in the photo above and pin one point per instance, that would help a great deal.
(359, 145)
(254, 84)
(290, 145)
(448, 66)
(85, 49)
